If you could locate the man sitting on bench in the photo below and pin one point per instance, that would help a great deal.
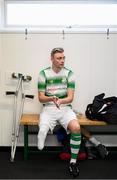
(56, 87)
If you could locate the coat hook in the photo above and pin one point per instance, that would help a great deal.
(63, 34)
(108, 32)
(26, 33)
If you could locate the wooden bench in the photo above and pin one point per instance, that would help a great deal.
(33, 119)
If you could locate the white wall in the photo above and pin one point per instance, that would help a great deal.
(1, 13)
(91, 56)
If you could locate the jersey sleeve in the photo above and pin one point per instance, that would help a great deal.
(71, 80)
(42, 81)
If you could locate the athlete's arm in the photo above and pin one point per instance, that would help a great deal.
(44, 99)
(68, 99)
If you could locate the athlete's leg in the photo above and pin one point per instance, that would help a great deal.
(69, 121)
(75, 139)
(47, 121)
(43, 128)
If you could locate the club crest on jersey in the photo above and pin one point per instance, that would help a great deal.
(63, 80)
(51, 81)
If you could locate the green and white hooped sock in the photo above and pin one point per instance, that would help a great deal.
(75, 142)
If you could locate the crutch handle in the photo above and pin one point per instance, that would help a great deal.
(29, 96)
(10, 93)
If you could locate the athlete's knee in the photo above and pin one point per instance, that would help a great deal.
(74, 127)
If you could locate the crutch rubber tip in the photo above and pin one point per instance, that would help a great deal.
(14, 75)
(27, 78)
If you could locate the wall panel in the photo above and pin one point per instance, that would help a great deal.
(91, 56)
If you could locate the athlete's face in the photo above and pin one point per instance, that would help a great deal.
(58, 60)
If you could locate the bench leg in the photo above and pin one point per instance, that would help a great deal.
(25, 142)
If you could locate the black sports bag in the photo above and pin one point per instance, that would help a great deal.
(104, 109)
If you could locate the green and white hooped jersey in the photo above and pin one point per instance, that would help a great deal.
(56, 84)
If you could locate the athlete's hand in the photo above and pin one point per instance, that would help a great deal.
(56, 101)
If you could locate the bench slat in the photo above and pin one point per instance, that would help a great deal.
(33, 119)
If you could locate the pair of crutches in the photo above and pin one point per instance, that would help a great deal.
(16, 118)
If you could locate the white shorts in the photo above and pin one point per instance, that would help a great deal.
(50, 116)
